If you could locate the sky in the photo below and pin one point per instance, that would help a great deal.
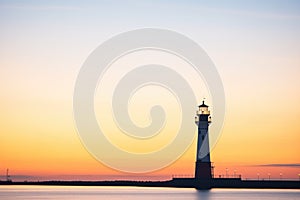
(254, 45)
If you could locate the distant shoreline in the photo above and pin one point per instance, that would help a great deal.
(176, 182)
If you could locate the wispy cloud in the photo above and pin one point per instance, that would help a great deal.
(197, 8)
(38, 7)
(94, 177)
(2, 177)
(201, 8)
(255, 14)
(279, 165)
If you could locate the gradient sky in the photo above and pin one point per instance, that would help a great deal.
(255, 46)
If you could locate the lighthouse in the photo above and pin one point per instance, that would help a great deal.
(203, 164)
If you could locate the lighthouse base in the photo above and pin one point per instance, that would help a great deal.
(203, 175)
(203, 184)
(203, 170)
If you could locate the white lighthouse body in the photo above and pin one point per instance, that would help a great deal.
(203, 164)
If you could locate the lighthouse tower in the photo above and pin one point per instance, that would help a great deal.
(203, 164)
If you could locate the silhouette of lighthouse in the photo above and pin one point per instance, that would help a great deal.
(203, 164)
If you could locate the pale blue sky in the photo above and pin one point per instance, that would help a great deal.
(43, 41)
(64, 33)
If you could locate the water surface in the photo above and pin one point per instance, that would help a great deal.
(144, 193)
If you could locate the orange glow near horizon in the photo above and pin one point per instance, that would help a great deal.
(46, 143)
(39, 139)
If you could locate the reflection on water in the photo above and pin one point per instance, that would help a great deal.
(144, 193)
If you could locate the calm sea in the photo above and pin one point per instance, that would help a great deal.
(137, 193)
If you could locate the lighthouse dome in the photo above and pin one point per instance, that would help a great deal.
(203, 105)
